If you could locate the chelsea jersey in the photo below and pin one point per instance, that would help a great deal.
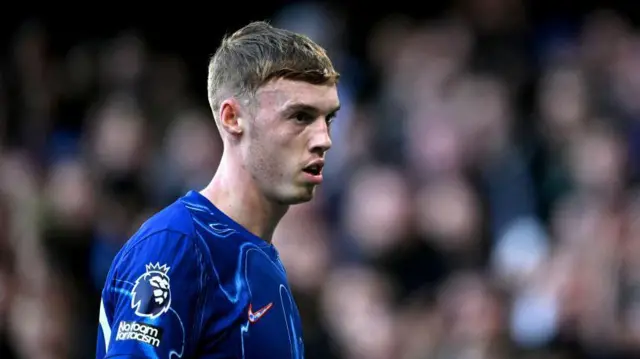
(192, 283)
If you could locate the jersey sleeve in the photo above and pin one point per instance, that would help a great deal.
(152, 301)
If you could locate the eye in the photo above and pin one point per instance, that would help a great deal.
(330, 119)
(303, 118)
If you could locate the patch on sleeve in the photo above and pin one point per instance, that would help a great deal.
(151, 294)
(142, 332)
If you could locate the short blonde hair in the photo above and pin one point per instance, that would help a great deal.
(259, 53)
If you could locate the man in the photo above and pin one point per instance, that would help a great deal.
(201, 279)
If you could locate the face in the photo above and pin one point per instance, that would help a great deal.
(285, 143)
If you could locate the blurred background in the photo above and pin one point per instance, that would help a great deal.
(482, 198)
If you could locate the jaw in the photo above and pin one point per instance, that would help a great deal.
(301, 193)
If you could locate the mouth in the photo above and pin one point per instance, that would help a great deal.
(313, 172)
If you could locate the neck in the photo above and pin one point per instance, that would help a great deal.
(234, 192)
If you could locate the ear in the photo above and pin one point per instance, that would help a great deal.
(230, 117)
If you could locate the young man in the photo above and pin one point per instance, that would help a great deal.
(201, 279)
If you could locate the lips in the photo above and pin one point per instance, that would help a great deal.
(314, 168)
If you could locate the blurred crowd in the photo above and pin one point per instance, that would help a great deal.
(481, 199)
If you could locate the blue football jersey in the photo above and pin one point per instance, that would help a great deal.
(192, 283)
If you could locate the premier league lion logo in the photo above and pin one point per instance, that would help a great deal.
(151, 295)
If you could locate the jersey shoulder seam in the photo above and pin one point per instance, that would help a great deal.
(138, 241)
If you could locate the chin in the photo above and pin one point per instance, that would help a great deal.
(296, 200)
(302, 196)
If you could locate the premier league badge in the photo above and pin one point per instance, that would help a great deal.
(151, 295)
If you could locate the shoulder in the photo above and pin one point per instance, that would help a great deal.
(164, 263)
(169, 232)
(174, 218)
(165, 240)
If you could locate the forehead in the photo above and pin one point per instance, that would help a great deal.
(281, 93)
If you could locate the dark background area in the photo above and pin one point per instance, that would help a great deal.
(194, 30)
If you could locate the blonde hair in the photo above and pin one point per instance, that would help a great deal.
(259, 53)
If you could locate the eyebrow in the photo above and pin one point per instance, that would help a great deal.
(302, 107)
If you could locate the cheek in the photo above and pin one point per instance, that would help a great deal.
(272, 151)
(266, 159)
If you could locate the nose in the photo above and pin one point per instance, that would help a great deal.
(320, 141)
